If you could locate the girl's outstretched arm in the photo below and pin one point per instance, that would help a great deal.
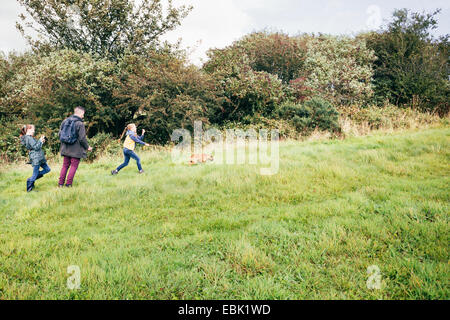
(137, 139)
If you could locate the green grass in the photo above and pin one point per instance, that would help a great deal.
(221, 232)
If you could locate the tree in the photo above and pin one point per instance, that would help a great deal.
(162, 93)
(412, 66)
(49, 87)
(246, 92)
(105, 27)
(13, 77)
(316, 113)
(274, 53)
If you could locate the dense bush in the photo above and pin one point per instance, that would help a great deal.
(246, 92)
(48, 87)
(13, 69)
(162, 94)
(315, 113)
(338, 69)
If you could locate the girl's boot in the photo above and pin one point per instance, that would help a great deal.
(30, 186)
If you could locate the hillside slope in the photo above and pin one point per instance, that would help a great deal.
(311, 231)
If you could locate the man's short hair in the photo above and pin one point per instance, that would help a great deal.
(79, 108)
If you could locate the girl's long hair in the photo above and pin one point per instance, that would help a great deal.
(24, 129)
(128, 127)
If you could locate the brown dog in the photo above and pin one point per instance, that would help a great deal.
(200, 158)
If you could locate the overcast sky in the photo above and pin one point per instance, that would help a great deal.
(217, 23)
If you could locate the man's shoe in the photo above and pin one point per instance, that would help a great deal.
(114, 172)
(60, 186)
(68, 186)
(141, 171)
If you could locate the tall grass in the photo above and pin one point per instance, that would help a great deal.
(335, 208)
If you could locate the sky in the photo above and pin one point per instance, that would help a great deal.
(217, 23)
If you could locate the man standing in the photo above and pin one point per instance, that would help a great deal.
(74, 145)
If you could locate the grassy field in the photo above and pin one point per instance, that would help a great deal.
(218, 232)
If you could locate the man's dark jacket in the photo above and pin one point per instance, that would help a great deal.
(79, 148)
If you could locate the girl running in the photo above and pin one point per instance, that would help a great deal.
(128, 147)
(37, 156)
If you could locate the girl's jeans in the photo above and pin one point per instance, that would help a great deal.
(127, 153)
(73, 164)
(38, 174)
